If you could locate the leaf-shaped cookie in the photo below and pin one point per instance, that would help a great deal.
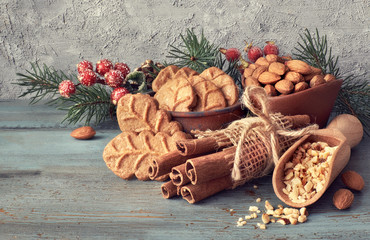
(176, 94)
(224, 82)
(129, 153)
(138, 112)
(209, 96)
(163, 76)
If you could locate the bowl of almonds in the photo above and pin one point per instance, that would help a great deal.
(294, 87)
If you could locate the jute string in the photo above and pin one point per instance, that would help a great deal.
(259, 140)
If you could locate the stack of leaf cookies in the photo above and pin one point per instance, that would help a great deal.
(185, 90)
(147, 132)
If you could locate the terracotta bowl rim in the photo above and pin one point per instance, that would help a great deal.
(234, 107)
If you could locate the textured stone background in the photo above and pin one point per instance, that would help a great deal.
(62, 32)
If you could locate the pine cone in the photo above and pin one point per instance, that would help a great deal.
(148, 70)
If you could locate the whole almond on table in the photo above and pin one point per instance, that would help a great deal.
(329, 77)
(300, 86)
(343, 199)
(299, 66)
(353, 180)
(277, 67)
(294, 77)
(284, 86)
(83, 133)
(317, 80)
(268, 78)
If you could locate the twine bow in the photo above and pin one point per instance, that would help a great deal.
(267, 128)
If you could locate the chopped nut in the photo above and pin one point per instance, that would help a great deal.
(302, 218)
(293, 220)
(268, 206)
(273, 220)
(307, 172)
(270, 212)
(265, 218)
(247, 217)
(283, 221)
(255, 186)
(278, 211)
(303, 211)
(253, 208)
(262, 226)
(258, 200)
(254, 215)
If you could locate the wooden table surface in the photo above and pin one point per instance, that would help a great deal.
(53, 186)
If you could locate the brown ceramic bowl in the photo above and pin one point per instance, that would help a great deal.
(213, 120)
(316, 102)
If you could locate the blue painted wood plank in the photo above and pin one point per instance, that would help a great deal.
(53, 186)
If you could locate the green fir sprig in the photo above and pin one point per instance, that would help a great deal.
(353, 97)
(194, 52)
(87, 104)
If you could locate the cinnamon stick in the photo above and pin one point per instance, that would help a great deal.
(205, 168)
(163, 164)
(178, 175)
(169, 190)
(188, 147)
(198, 192)
(299, 121)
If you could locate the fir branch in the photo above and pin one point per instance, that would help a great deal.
(196, 53)
(314, 50)
(86, 104)
(354, 94)
(41, 82)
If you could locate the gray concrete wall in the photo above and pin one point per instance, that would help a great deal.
(62, 32)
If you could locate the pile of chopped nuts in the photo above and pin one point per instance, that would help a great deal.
(307, 172)
(280, 215)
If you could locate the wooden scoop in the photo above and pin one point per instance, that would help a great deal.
(333, 137)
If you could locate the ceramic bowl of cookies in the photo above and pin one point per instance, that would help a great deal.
(199, 101)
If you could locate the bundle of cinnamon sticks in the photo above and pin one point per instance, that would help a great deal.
(201, 167)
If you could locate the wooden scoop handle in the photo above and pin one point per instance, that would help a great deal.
(349, 126)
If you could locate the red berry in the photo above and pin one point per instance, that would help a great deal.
(123, 68)
(88, 77)
(271, 48)
(67, 88)
(82, 66)
(114, 78)
(232, 54)
(254, 53)
(117, 94)
(103, 66)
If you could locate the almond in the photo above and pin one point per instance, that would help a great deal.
(294, 77)
(272, 58)
(329, 77)
(284, 86)
(316, 81)
(252, 66)
(277, 67)
(257, 72)
(251, 81)
(343, 199)
(268, 78)
(300, 86)
(299, 66)
(270, 90)
(248, 72)
(316, 71)
(353, 180)
(83, 133)
(262, 61)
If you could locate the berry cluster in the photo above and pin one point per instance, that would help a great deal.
(105, 73)
(255, 52)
